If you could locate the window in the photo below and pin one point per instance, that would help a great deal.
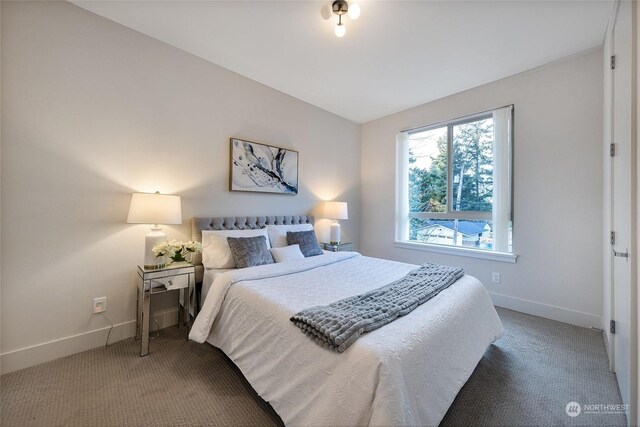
(454, 183)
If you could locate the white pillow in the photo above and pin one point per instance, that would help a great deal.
(278, 233)
(287, 253)
(215, 249)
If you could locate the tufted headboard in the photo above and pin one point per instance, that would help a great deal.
(237, 223)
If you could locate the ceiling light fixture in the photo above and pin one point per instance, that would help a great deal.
(341, 7)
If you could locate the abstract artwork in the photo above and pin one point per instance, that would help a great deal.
(263, 168)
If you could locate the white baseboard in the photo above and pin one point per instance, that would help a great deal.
(40, 353)
(561, 314)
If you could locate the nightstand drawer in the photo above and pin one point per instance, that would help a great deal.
(169, 283)
(171, 271)
(340, 247)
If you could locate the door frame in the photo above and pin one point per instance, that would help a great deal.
(609, 308)
(608, 291)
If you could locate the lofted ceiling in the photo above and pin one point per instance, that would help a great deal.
(397, 55)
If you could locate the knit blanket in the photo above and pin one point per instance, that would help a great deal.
(338, 325)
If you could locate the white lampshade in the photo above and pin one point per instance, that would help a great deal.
(336, 210)
(154, 208)
(340, 30)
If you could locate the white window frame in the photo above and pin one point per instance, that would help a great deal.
(501, 212)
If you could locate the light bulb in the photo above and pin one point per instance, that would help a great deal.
(354, 11)
(340, 30)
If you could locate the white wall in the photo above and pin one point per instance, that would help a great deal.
(93, 111)
(0, 174)
(557, 187)
(634, 418)
(635, 38)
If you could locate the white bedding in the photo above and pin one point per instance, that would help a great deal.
(210, 274)
(405, 373)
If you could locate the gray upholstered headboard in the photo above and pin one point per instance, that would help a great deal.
(237, 223)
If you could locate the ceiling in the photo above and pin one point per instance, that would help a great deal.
(399, 54)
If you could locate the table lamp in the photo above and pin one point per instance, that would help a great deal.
(154, 209)
(336, 211)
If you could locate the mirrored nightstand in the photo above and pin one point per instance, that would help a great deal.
(342, 246)
(180, 275)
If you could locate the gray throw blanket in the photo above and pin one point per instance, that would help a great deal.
(336, 326)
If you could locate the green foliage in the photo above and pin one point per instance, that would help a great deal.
(428, 187)
(472, 189)
(473, 155)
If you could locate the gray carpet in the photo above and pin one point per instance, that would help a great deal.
(530, 375)
(526, 378)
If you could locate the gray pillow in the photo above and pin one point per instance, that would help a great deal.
(250, 251)
(307, 240)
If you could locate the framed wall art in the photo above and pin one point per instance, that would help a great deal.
(262, 168)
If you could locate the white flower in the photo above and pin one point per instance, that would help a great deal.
(172, 247)
(192, 246)
(163, 248)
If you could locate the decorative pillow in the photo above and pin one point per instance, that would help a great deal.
(250, 251)
(215, 249)
(278, 233)
(307, 240)
(287, 253)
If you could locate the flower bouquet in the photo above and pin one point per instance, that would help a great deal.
(177, 251)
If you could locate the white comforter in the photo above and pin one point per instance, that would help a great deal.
(405, 373)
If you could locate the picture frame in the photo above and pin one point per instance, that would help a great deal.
(262, 168)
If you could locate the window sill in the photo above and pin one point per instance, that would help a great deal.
(466, 252)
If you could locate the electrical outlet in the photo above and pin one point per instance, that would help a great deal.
(99, 305)
(496, 277)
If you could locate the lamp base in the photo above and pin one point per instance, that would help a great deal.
(155, 236)
(335, 233)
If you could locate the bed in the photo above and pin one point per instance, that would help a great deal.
(405, 373)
